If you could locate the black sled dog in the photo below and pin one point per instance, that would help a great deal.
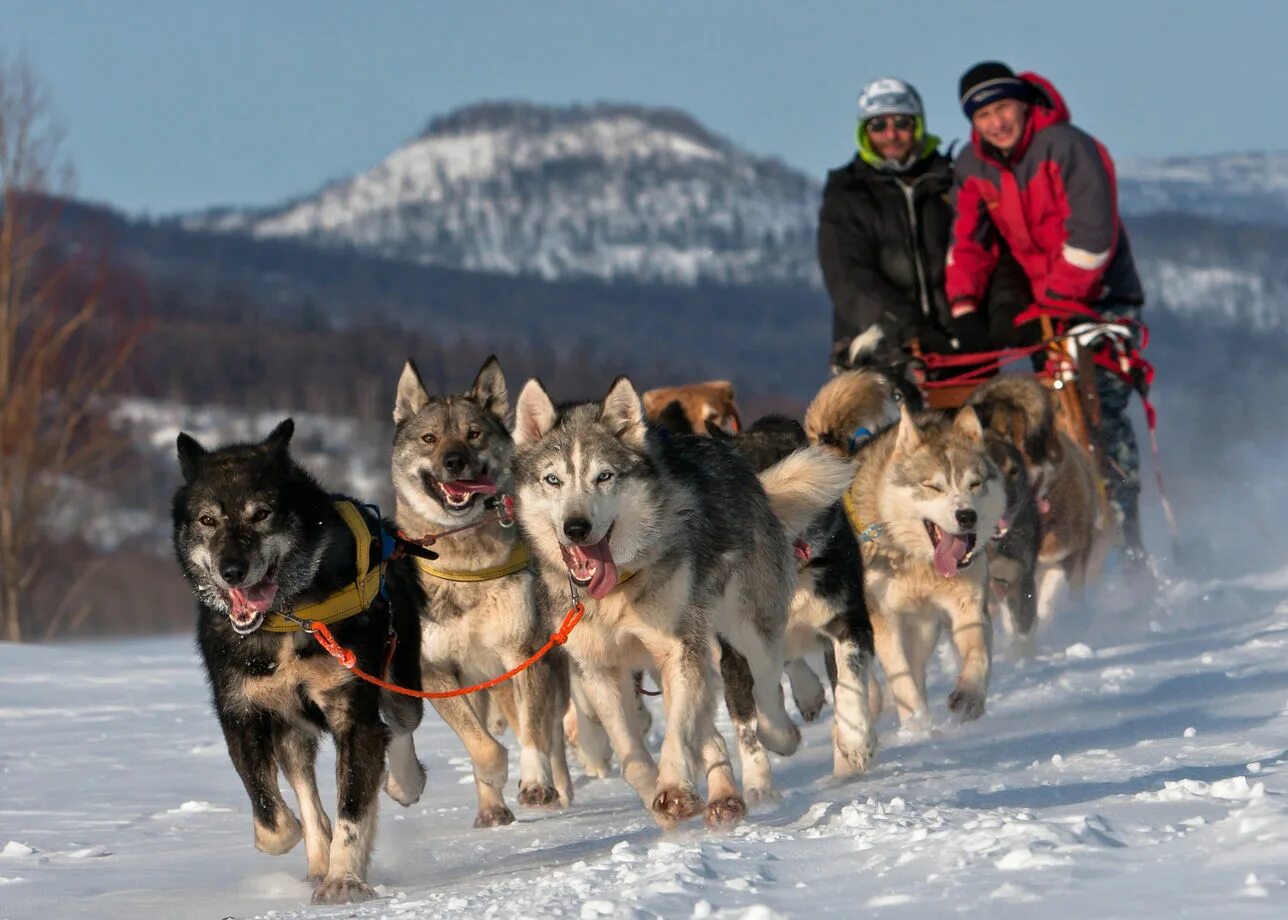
(258, 538)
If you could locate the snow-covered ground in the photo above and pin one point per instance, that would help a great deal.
(1136, 767)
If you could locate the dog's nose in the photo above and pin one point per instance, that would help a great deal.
(967, 518)
(577, 529)
(455, 463)
(233, 571)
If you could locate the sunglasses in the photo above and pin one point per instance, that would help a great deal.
(879, 124)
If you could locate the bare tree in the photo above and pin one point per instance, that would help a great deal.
(59, 348)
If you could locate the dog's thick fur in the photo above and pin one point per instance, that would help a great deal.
(711, 402)
(846, 405)
(934, 496)
(255, 534)
(445, 448)
(1074, 520)
(708, 553)
(1016, 415)
(827, 611)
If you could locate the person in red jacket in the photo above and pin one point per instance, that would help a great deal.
(1047, 189)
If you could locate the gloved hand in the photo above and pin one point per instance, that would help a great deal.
(970, 332)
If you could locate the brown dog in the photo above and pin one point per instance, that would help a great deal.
(1075, 524)
(711, 401)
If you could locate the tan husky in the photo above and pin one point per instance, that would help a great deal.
(924, 501)
(478, 613)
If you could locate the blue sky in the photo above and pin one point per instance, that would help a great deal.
(179, 105)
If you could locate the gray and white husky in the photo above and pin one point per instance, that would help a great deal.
(676, 542)
(478, 617)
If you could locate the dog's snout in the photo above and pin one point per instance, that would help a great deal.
(967, 518)
(577, 529)
(455, 462)
(233, 571)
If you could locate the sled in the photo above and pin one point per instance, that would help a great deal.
(1071, 379)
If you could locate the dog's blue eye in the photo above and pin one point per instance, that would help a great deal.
(604, 476)
(552, 479)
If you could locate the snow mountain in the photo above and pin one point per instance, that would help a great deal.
(1243, 187)
(628, 193)
(602, 191)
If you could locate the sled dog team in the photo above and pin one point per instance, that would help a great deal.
(690, 549)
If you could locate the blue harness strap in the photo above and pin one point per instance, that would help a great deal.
(860, 435)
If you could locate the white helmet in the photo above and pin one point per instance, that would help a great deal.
(888, 96)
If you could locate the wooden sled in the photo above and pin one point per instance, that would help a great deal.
(1073, 390)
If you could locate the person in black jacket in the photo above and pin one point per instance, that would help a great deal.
(883, 240)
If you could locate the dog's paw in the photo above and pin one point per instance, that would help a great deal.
(967, 703)
(811, 708)
(852, 755)
(535, 795)
(757, 796)
(783, 739)
(674, 804)
(407, 792)
(494, 816)
(725, 812)
(281, 839)
(595, 769)
(343, 890)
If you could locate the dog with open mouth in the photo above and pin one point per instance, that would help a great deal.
(674, 545)
(258, 538)
(925, 500)
(451, 468)
(1074, 525)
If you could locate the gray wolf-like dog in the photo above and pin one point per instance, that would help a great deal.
(675, 541)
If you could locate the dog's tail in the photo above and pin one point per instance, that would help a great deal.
(804, 484)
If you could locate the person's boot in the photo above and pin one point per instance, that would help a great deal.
(1136, 563)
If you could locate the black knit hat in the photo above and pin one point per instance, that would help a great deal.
(988, 82)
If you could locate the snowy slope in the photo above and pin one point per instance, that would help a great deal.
(1250, 187)
(604, 191)
(1135, 768)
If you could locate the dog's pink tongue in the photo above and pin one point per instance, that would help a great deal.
(1044, 505)
(251, 600)
(581, 559)
(948, 553)
(461, 487)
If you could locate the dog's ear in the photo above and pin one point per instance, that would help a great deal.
(909, 437)
(673, 418)
(656, 402)
(190, 456)
(279, 439)
(1042, 443)
(412, 395)
(534, 413)
(967, 424)
(621, 411)
(489, 389)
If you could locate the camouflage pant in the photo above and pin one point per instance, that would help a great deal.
(1116, 432)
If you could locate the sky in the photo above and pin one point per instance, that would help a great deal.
(177, 106)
